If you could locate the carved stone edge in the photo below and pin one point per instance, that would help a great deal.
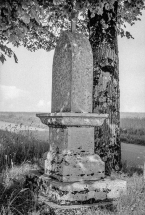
(72, 119)
(42, 199)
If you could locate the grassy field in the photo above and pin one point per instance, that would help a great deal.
(26, 118)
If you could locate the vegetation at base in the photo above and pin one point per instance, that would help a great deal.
(16, 199)
(19, 154)
(133, 130)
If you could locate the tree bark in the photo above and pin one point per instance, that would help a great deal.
(106, 93)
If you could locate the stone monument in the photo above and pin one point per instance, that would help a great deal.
(74, 174)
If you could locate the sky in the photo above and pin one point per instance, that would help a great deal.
(26, 86)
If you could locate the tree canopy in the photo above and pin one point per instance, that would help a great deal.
(37, 24)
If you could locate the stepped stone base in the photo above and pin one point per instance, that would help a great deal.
(69, 193)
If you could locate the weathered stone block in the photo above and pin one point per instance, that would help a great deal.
(72, 74)
(71, 156)
(79, 192)
(77, 168)
(71, 139)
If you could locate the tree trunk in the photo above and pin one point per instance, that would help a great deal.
(106, 94)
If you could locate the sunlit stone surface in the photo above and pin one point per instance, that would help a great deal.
(72, 74)
(71, 156)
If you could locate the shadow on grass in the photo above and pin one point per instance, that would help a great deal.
(16, 200)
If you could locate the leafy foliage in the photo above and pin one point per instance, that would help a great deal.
(7, 51)
(37, 24)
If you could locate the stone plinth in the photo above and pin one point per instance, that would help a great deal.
(72, 74)
(71, 138)
(72, 119)
(80, 192)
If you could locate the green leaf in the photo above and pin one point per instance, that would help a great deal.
(32, 23)
(11, 38)
(34, 14)
(7, 52)
(25, 18)
(128, 35)
(15, 58)
(2, 58)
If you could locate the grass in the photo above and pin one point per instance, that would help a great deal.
(19, 154)
(17, 149)
(133, 138)
(16, 199)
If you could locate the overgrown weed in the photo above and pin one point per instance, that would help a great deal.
(17, 148)
(18, 155)
(14, 197)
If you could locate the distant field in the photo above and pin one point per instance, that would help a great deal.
(132, 124)
(132, 115)
(132, 129)
(25, 118)
(30, 117)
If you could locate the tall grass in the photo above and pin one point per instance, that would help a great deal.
(16, 148)
(19, 153)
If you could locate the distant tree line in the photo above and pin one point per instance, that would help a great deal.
(133, 130)
(139, 131)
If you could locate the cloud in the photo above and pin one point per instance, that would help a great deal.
(41, 103)
(49, 104)
(128, 108)
(14, 99)
(12, 92)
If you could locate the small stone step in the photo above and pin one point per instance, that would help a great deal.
(67, 193)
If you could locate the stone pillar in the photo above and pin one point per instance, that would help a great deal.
(72, 75)
(73, 172)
